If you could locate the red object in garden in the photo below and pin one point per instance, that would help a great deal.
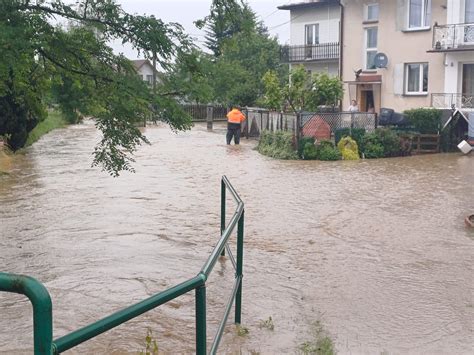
(318, 128)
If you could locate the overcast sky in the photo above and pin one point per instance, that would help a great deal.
(186, 12)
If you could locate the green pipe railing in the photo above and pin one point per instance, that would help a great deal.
(42, 306)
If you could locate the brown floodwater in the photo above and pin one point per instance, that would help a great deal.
(376, 250)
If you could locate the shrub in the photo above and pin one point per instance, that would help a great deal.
(390, 142)
(302, 143)
(277, 145)
(425, 120)
(373, 147)
(348, 148)
(310, 152)
(327, 151)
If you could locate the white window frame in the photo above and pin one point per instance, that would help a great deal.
(426, 10)
(422, 73)
(369, 49)
(149, 79)
(366, 12)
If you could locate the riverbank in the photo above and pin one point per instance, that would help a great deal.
(54, 120)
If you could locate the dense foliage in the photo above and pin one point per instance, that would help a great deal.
(425, 120)
(279, 145)
(302, 91)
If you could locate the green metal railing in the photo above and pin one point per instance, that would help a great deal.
(42, 306)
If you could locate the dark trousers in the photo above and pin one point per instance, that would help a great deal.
(233, 130)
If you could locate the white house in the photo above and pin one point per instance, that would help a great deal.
(454, 39)
(314, 36)
(145, 70)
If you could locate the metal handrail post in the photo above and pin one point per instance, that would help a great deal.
(223, 197)
(42, 308)
(240, 259)
(201, 336)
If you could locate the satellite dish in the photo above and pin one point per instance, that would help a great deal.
(381, 60)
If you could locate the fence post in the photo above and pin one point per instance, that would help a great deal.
(209, 117)
(281, 120)
(298, 128)
(223, 191)
(201, 336)
(42, 308)
(239, 271)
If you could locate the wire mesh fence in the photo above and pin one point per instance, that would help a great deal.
(259, 120)
(323, 126)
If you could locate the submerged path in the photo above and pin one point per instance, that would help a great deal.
(375, 250)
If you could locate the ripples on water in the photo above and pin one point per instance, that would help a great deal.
(377, 250)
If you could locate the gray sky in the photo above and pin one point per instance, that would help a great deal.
(186, 12)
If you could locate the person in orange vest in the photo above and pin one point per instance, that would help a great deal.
(234, 125)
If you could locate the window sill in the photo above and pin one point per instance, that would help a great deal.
(370, 22)
(369, 71)
(417, 29)
(415, 94)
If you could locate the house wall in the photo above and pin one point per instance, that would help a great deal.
(326, 16)
(332, 68)
(455, 60)
(399, 45)
(146, 70)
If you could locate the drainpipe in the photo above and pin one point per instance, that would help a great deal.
(341, 45)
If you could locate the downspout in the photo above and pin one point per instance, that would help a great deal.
(341, 47)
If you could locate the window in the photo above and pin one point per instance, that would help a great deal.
(416, 78)
(311, 39)
(370, 47)
(419, 14)
(372, 12)
(149, 79)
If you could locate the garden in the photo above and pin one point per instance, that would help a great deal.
(357, 143)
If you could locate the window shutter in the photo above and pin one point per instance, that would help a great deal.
(402, 13)
(398, 79)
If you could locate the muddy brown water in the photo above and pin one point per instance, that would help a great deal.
(376, 250)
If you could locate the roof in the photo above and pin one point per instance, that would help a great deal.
(308, 4)
(138, 63)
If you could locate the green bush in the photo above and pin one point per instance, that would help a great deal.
(327, 151)
(277, 145)
(425, 120)
(302, 144)
(373, 147)
(390, 142)
(310, 152)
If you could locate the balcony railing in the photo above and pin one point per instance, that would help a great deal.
(453, 37)
(459, 101)
(309, 53)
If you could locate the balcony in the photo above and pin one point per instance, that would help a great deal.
(309, 53)
(450, 101)
(458, 37)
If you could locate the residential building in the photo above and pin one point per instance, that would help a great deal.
(453, 40)
(314, 36)
(385, 59)
(145, 70)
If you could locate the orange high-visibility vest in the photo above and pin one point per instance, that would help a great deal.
(235, 116)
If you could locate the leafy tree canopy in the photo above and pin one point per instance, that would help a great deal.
(76, 62)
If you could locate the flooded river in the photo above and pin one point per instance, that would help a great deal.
(375, 250)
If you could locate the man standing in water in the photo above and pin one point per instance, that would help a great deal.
(234, 125)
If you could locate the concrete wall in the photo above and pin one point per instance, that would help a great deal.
(400, 46)
(332, 68)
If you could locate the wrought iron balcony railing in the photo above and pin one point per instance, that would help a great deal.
(453, 37)
(459, 101)
(316, 52)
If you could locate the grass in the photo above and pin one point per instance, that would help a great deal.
(53, 121)
(320, 344)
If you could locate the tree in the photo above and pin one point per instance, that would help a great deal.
(37, 54)
(303, 91)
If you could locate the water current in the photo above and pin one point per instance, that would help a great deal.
(376, 250)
